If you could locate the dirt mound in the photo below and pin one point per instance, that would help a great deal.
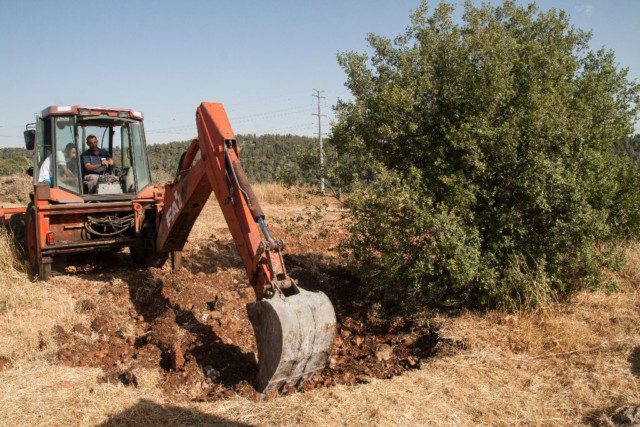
(15, 188)
(193, 327)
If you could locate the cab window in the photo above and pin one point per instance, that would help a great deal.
(66, 155)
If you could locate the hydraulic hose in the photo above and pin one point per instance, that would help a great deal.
(243, 184)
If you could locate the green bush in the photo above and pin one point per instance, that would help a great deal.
(488, 158)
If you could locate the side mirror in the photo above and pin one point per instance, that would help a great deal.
(29, 139)
(29, 171)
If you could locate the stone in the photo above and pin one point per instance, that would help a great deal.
(384, 352)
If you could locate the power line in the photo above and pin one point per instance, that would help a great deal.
(242, 119)
(318, 96)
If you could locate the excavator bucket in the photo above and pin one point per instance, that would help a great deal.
(294, 335)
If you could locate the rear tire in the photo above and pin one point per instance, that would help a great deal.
(17, 227)
(38, 269)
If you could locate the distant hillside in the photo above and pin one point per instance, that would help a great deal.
(263, 157)
(14, 160)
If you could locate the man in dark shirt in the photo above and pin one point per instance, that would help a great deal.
(94, 163)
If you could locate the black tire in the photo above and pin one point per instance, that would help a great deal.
(145, 258)
(17, 227)
(44, 271)
(40, 270)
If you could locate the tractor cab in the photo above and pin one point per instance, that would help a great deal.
(60, 138)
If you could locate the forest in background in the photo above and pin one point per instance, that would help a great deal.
(265, 158)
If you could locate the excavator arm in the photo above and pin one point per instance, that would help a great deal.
(218, 170)
(294, 328)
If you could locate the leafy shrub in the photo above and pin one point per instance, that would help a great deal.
(488, 158)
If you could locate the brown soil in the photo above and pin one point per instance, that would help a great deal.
(192, 326)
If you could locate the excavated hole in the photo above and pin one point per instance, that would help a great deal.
(192, 327)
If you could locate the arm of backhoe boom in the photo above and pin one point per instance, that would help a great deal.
(294, 328)
(218, 170)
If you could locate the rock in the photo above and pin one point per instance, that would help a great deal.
(358, 341)
(408, 341)
(333, 362)
(345, 333)
(384, 352)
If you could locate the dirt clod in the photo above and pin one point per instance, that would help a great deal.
(5, 363)
(126, 378)
(384, 352)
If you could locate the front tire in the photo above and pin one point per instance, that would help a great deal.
(145, 258)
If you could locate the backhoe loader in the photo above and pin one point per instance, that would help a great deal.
(294, 328)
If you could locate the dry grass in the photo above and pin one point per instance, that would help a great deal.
(276, 194)
(28, 310)
(563, 365)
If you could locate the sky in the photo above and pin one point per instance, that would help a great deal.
(262, 60)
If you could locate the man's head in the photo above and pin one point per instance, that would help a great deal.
(70, 151)
(92, 142)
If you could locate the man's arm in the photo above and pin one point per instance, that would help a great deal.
(109, 160)
(90, 167)
(65, 169)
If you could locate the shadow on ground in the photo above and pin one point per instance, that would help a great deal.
(634, 360)
(147, 413)
(208, 350)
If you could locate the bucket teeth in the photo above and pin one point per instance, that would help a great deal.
(294, 335)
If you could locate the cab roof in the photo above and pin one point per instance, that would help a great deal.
(87, 110)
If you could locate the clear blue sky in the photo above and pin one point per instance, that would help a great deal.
(260, 59)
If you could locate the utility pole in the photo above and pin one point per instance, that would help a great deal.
(318, 96)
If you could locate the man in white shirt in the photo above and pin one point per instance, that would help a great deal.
(69, 153)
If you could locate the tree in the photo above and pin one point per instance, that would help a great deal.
(487, 171)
